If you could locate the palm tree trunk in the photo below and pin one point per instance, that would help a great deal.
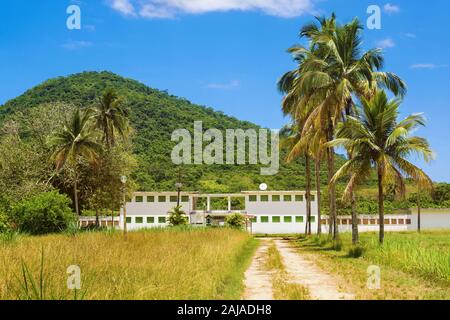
(308, 194)
(112, 219)
(75, 195)
(355, 234)
(97, 221)
(319, 214)
(381, 203)
(419, 211)
(332, 187)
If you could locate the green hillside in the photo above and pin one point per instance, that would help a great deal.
(154, 116)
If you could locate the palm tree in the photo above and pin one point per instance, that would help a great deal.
(330, 72)
(376, 139)
(75, 140)
(299, 146)
(110, 118)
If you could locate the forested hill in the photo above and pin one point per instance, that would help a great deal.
(154, 116)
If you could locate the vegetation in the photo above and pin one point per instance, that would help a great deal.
(177, 217)
(375, 137)
(235, 221)
(159, 264)
(413, 266)
(47, 212)
(332, 75)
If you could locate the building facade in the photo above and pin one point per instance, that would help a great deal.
(267, 212)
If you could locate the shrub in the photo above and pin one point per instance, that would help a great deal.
(356, 251)
(177, 217)
(235, 221)
(4, 225)
(46, 212)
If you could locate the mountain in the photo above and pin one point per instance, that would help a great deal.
(154, 115)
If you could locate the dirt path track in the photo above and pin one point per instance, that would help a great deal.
(258, 281)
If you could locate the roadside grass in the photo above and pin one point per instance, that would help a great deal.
(283, 289)
(413, 266)
(192, 264)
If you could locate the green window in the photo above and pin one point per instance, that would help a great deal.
(312, 219)
(185, 199)
(254, 220)
(299, 219)
(313, 197)
(265, 198)
(276, 198)
(264, 219)
(161, 219)
(150, 219)
(161, 198)
(139, 199)
(150, 199)
(287, 198)
(298, 197)
(252, 198)
(287, 219)
(128, 219)
(173, 198)
(276, 219)
(139, 220)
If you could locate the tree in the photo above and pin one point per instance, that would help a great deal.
(330, 72)
(47, 212)
(376, 139)
(177, 217)
(299, 146)
(110, 118)
(75, 140)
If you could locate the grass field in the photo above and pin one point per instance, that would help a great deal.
(413, 266)
(159, 264)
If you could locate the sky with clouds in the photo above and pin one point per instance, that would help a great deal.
(227, 54)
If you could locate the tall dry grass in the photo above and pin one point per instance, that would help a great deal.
(158, 264)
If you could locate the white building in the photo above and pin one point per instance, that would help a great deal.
(268, 212)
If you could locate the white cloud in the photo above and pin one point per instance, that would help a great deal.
(73, 45)
(428, 66)
(231, 85)
(386, 43)
(171, 8)
(391, 8)
(410, 35)
(125, 7)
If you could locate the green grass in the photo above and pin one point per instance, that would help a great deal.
(413, 266)
(188, 264)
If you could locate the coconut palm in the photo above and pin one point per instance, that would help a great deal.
(377, 140)
(110, 118)
(298, 146)
(75, 140)
(330, 72)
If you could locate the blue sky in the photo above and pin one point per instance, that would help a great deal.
(227, 54)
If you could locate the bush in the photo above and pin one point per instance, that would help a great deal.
(4, 225)
(235, 221)
(356, 251)
(177, 217)
(46, 212)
